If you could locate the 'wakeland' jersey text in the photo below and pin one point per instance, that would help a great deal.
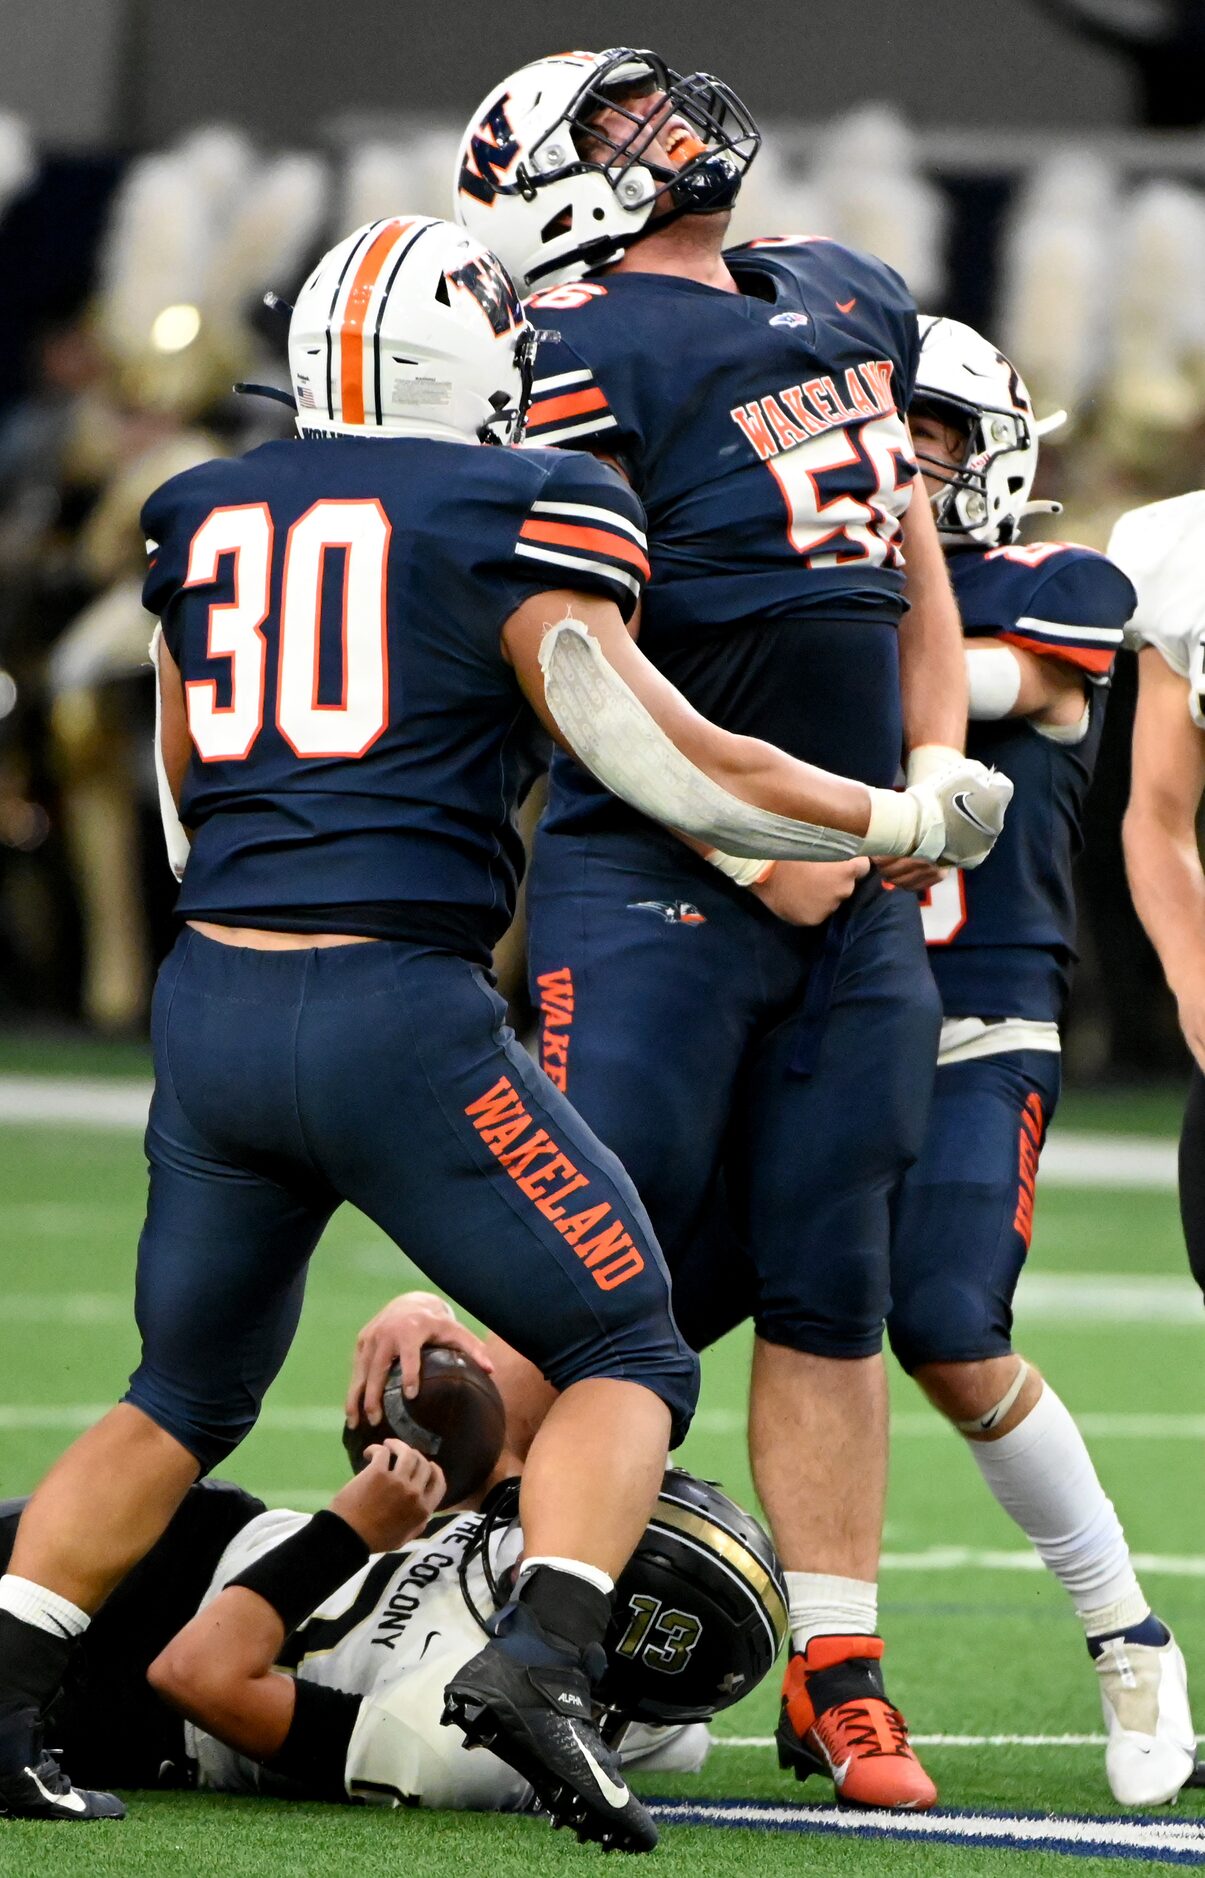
(335, 606)
(764, 432)
(1002, 939)
(393, 1635)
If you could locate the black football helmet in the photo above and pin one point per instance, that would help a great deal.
(700, 1609)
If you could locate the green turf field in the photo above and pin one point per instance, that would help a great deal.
(978, 1645)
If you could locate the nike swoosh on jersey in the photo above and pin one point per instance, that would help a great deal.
(613, 1791)
(846, 306)
(427, 1644)
(71, 1800)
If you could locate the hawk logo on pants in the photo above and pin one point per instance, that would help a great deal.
(673, 912)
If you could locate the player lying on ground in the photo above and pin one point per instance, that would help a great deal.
(756, 400)
(1162, 548)
(335, 1690)
(1043, 622)
(354, 626)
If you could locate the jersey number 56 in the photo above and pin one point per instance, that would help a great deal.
(829, 530)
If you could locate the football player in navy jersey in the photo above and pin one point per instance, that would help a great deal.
(756, 400)
(353, 627)
(1043, 622)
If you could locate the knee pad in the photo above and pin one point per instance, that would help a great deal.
(815, 1335)
(942, 1322)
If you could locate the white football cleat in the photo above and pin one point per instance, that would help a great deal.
(1144, 1696)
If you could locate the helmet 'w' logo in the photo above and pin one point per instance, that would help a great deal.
(492, 149)
(493, 290)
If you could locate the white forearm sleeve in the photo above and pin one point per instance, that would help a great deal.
(993, 682)
(173, 828)
(612, 733)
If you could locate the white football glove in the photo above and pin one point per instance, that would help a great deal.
(962, 807)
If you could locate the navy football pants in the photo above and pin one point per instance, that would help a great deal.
(965, 1212)
(765, 1085)
(383, 1074)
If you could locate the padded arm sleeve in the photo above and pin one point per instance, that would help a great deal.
(613, 734)
(174, 833)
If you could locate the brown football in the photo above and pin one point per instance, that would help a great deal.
(457, 1418)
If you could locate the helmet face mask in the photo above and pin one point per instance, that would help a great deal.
(557, 170)
(509, 418)
(962, 506)
(965, 383)
(700, 1610)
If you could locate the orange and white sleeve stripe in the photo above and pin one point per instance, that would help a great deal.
(1092, 648)
(576, 540)
(567, 406)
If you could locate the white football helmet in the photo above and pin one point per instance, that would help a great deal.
(523, 186)
(964, 381)
(410, 327)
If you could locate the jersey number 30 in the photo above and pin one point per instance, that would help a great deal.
(360, 530)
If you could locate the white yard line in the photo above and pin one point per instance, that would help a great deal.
(1070, 1159)
(1176, 1841)
(78, 1101)
(88, 1307)
(1073, 1159)
(948, 1741)
(958, 1558)
(1073, 1300)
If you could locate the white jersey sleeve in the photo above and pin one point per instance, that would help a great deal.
(1162, 549)
(393, 1635)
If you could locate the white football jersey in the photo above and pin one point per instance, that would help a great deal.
(1162, 549)
(394, 1634)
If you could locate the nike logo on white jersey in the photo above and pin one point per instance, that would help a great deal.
(71, 1800)
(613, 1791)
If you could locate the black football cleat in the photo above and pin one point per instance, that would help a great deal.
(32, 1783)
(537, 1718)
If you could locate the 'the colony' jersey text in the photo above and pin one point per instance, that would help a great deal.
(389, 1639)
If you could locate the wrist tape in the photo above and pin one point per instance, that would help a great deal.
(298, 1575)
(746, 873)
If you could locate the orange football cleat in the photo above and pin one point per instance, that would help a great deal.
(836, 1721)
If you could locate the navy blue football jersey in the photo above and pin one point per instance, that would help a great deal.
(764, 432)
(335, 608)
(1002, 938)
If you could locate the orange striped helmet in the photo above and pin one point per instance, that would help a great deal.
(411, 327)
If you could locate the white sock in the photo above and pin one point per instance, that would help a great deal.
(1042, 1475)
(46, 1610)
(575, 1568)
(821, 1606)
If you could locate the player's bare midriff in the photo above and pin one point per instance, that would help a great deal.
(263, 941)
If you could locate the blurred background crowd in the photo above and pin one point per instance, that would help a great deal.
(1040, 173)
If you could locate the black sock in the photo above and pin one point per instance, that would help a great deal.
(570, 1609)
(32, 1664)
